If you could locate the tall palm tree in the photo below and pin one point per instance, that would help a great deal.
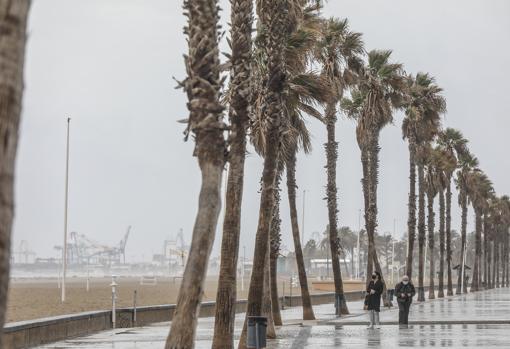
(453, 143)
(275, 18)
(446, 164)
(338, 52)
(305, 90)
(479, 192)
(423, 106)
(373, 99)
(239, 99)
(431, 188)
(506, 241)
(202, 86)
(467, 164)
(13, 21)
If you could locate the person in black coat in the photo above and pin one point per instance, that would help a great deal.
(405, 292)
(374, 292)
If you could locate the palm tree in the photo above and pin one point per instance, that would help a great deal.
(423, 108)
(13, 21)
(446, 164)
(338, 53)
(240, 76)
(202, 86)
(374, 98)
(479, 192)
(467, 163)
(453, 143)
(304, 89)
(506, 241)
(274, 20)
(431, 188)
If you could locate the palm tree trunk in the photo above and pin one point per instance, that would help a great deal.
(267, 307)
(303, 281)
(372, 207)
(411, 220)
(490, 270)
(487, 239)
(449, 282)
(485, 252)
(275, 252)
(475, 283)
(13, 22)
(491, 261)
(496, 261)
(365, 185)
(463, 205)
(421, 231)
(506, 261)
(241, 31)
(430, 207)
(440, 293)
(272, 19)
(331, 195)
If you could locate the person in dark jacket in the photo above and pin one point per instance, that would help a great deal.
(374, 292)
(405, 292)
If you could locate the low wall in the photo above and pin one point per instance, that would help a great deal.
(26, 334)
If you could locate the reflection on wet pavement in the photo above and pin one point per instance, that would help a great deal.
(493, 305)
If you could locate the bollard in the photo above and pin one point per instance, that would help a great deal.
(257, 326)
(338, 304)
(283, 295)
(134, 309)
(114, 298)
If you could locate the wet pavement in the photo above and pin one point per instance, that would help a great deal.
(478, 320)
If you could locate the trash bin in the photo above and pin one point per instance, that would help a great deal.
(257, 326)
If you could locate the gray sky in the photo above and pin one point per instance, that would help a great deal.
(108, 64)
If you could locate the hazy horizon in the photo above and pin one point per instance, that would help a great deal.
(109, 66)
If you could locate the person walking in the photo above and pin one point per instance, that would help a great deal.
(405, 292)
(374, 292)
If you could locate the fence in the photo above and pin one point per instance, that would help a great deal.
(27, 334)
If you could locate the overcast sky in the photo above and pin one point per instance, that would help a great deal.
(108, 64)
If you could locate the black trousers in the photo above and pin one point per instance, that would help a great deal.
(403, 312)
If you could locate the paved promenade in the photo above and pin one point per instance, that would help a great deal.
(478, 320)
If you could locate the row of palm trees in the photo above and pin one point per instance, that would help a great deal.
(297, 65)
(301, 65)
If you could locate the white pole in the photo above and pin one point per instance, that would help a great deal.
(303, 221)
(64, 248)
(114, 298)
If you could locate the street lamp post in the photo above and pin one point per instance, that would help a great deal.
(66, 200)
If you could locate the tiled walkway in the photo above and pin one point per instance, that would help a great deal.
(478, 320)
